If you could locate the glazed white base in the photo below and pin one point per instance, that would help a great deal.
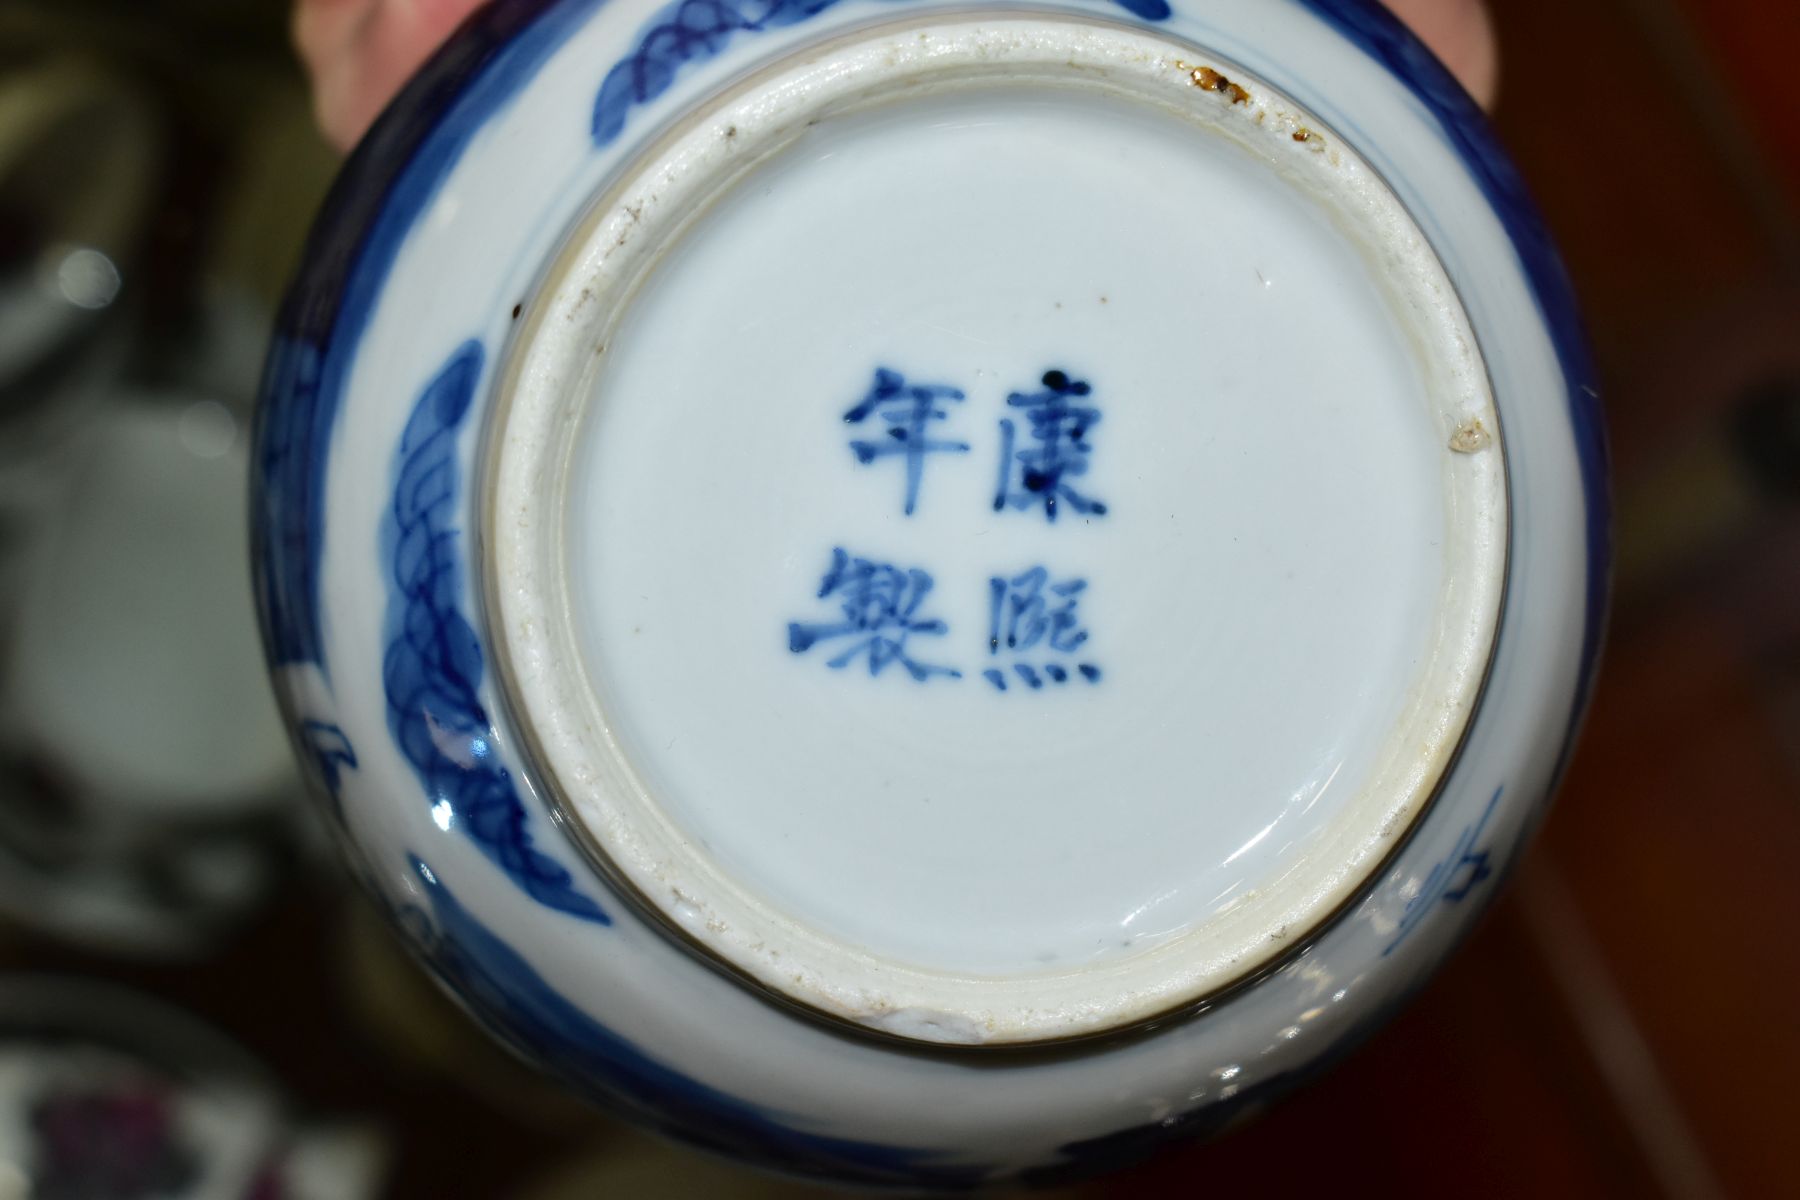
(947, 824)
(1289, 598)
(504, 180)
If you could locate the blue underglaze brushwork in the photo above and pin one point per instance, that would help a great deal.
(524, 1010)
(1451, 880)
(1030, 608)
(691, 31)
(330, 751)
(399, 168)
(393, 175)
(293, 427)
(388, 184)
(880, 603)
(1033, 613)
(1384, 38)
(1037, 477)
(908, 409)
(433, 668)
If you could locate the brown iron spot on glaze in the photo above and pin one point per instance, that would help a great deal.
(1210, 80)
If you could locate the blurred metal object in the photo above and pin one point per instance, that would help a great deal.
(146, 791)
(145, 783)
(79, 164)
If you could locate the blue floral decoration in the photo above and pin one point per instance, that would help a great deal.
(433, 668)
(388, 183)
(525, 1011)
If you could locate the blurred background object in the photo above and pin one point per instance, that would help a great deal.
(79, 162)
(104, 1093)
(1616, 1027)
(149, 800)
(146, 770)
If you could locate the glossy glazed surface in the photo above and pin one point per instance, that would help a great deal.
(900, 806)
(433, 789)
(1039, 701)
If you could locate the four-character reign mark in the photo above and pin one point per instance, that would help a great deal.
(1033, 627)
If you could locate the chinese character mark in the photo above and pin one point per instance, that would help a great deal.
(1031, 612)
(1039, 474)
(880, 603)
(908, 410)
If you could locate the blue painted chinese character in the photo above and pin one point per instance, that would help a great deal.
(908, 410)
(1039, 474)
(880, 602)
(1032, 612)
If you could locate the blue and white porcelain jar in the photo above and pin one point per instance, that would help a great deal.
(929, 595)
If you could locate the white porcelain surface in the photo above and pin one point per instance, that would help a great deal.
(1278, 575)
(654, 542)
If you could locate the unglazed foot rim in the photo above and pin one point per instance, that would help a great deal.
(574, 507)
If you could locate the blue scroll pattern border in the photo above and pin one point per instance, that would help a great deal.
(690, 31)
(526, 1012)
(393, 175)
(399, 168)
(433, 665)
(390, 181)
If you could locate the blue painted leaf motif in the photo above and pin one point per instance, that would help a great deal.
(433, 668)
(691, 31)
(525, 1010)
(331, 752)
(1448, 882)
(396, 174)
